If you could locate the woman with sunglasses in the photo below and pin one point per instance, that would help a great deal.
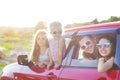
(57, 43)
(106, 48)
(87, 46)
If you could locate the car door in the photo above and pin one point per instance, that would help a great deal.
(73, 72)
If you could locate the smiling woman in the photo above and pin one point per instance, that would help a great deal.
(106, 48)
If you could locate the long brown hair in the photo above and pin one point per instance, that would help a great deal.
(112, 39)
(36, 48)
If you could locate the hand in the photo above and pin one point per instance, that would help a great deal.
(57, 66)
(48, 66)
(101, 59)
(41, 65)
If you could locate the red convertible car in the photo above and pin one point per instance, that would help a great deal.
(74, 65)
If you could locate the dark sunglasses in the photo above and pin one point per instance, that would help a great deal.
(104, 45)
(87, 43)
(57, 32)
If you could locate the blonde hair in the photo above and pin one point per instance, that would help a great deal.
(54, 25)
(36, 48)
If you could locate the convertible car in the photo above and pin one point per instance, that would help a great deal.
(74, 65)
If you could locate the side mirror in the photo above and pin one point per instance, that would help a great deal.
(22, 59)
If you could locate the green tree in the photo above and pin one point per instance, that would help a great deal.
(119, 18)
(113, 18)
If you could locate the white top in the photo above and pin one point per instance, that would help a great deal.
(44, 57)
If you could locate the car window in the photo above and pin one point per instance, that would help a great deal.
(68, 37)
(80, 59)
(67, 41)
(67, 59)
(70, 40)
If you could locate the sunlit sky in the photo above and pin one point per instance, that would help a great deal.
(27, 13)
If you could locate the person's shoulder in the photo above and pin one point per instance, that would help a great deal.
(62, 37)
(62, 40)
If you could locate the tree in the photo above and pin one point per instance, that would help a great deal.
(113, 18)
(119, 18)
(95, 21)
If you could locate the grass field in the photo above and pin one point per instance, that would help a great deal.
(20, 40)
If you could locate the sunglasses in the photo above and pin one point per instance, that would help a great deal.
(104, 45)
(87, 44)
(57, 32)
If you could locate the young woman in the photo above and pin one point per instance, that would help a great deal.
(41, 55)
(57, 43)
(106, 47)
(87, 46)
